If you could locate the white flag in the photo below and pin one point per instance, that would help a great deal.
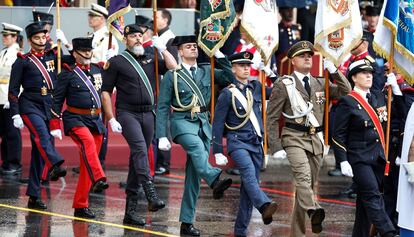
(260, 22)
(338, 28)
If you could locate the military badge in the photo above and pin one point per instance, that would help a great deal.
(97, 81)
(340, 6)
(50, 66)
(382, 114)
(320, 97)
(215, 4)
(213, 31)
(336, 39)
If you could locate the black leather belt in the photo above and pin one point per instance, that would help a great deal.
(136, 108)
(40, 91)
(203, 109)
(308, 129)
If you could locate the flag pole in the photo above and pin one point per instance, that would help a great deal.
(154, 16)
(212, 89)
(59, 53)
(389, 95)
(263, 81)
(326, 115)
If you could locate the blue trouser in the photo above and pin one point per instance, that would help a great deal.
(197, 168)
(43, 151)
(249, 164)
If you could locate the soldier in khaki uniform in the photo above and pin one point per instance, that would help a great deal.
(301, 99)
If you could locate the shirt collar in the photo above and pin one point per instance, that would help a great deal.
(84, 67)
(37, 54)
(301, 75)
(361, 92)
(188, 66)
(162, 31)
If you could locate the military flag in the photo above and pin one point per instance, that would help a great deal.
(217, 20)
(394, 35)
(116, 10)
(338, 28)
(260, 22)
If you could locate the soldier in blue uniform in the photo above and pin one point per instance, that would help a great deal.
(358, 142)
(36, 73)
(80, 85)
(238, 115)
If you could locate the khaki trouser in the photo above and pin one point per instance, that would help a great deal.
(305, 169)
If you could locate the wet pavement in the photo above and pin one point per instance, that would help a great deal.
(214, 217)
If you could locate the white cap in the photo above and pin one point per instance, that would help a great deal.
(10, 29)
(98, 10)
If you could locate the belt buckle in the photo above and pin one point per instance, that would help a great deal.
(312, 130)
(93, 111)
(43, 91)
(195, 109)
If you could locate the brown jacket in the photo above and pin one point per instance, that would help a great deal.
(279, 102)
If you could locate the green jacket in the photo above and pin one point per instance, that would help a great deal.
(181, 122)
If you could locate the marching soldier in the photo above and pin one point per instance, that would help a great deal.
(129, 72)
(35, 72)
(289, 33)
(11, 140)
(187, 90)
(80, 85)
(300, 98)
(238, 114)
(358, 142)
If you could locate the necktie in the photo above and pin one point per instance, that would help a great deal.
(193, 72)
(307, 86)
(369, 98)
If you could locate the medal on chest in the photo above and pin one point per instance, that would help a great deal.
(98, 81)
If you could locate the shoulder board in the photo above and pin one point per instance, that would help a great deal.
(203, 64)
(21, 55)
(231, 86)
(67, 67)
(371, 59)
(51, 51)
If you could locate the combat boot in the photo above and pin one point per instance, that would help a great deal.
(154, 202)
(131, 213)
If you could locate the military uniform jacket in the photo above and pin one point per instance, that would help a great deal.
(279, 102)
(72, 89)
(246, 136)
(288, 36)
(132, 94)
(25, 74)
(355, 138)
(100, 45)
(7, 57)
(182, 122)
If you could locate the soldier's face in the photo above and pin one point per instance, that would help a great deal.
(372, 21)
(95, 21)
(38, 41)
(241, 71)
(302, 62)
(161, 21)
(363, 80)
(83, 56)
(188, 50)
(134, 39)
(9, 39)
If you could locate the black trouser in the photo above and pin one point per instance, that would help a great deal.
(11, 141)
(162, 158)
(370, 203)
(391, 183)
(138, 130)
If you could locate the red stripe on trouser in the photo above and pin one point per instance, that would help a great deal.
(37, 140)
(44, 173)
(90, 169)
(151, 162)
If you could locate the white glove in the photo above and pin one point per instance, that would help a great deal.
(266, 69)
(221, 159)
(109, 54)
(115, 126)
(280, 154)
(392, 81)
(346, 169)
(61, 36)
(328, 65)
(409, 167)
(164, 144)
(57, 133)
(156, 42)
(18, 121)
(219, 54)
(6, 105)
(398, 161)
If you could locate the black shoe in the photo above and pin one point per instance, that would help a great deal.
(317, 216)
(335, 172)
(189, 229)
(233, 171)
(24, 180)
(56, 172)
(11, 171)
(131, 214)
(76, 170)
(162, 171)
(84, 213)
(99, 186)
(36, 203)
(220, 186)
(267, 210)
(154, 202)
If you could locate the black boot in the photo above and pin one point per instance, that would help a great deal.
(99, 186)
(317, 216)
(131, 213)
(56, 172)
(219, 186)
(36, 203)
(84, 213)
(154, 202)
(189, 230)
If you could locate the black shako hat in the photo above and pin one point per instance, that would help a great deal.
(179, 40)
(143, 21)
(43, 16)
(82, 43)
(34, 28)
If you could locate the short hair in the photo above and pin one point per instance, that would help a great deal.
(166, 14)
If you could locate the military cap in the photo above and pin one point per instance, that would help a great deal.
(10, 29)
(34, 28)
(97, 10)
(372, 11)
(300, 48)
(241, 58)
(361, 65)
(132, 29)
(43, 16)
(143, 21)
(82, 43)
(179, 40)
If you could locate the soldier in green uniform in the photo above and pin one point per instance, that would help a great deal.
(187, 90)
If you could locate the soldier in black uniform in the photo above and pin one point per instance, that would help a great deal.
(35, 72)
(358, 142)
(80, 85)
(289, 33)
(129, 72)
